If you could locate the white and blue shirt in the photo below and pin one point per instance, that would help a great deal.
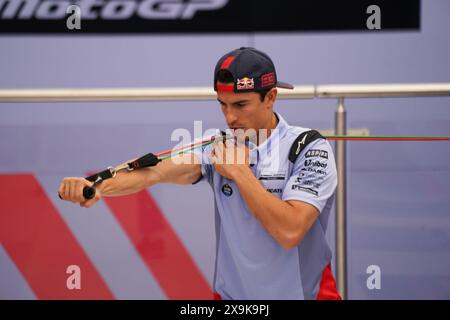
(250, 264)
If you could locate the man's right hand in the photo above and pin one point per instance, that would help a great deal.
(71, 189)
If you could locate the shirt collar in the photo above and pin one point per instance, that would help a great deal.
(276, 135)
(279, 132)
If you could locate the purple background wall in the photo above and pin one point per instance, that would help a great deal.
(398, 193)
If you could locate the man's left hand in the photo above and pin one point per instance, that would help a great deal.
(230, 158)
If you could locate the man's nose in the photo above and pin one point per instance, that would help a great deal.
(230, 116)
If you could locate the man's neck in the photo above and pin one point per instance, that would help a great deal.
(269, 128)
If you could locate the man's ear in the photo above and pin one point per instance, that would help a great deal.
(271, 96)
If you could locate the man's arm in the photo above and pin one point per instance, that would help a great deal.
(181, 169)
(287, 221)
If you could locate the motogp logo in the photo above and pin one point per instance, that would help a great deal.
(107, 9)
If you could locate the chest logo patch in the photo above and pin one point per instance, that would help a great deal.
(227, 190)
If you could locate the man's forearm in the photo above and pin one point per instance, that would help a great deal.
(166, 171)
(126, 182)
(278, 217)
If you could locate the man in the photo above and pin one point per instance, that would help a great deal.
(271, 208)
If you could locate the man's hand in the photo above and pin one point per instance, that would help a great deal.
(229, 158)
(71, 189)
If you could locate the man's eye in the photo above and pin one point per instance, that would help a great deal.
(240, 105)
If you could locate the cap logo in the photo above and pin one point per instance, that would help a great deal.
(226, 63)
(267, 79)
(245, 83)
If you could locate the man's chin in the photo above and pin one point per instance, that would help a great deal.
(243, 134)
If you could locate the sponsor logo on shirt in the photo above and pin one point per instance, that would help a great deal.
(318, 171)
(227, 190)
(274, 176)
(316, 153)
(317, 163)
(300, 188)
(311, 183)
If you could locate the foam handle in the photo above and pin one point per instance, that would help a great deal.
(149, 160)
(88, 193)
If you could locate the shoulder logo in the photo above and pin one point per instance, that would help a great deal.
(300, 144)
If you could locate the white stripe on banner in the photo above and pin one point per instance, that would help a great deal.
(194, 224)
(13, 285)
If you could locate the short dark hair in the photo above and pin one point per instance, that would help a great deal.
(225, 76)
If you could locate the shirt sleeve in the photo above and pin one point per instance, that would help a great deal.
(205, 163)
(314, 177)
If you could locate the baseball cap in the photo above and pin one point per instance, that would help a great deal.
(252, 70)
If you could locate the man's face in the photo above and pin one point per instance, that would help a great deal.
(246, 110)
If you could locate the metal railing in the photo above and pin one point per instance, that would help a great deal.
(130, 94)
(300, 92)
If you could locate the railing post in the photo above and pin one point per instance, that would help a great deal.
(341, 201)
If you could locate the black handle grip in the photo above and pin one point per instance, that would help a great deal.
(148, 160)
(88, 192)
